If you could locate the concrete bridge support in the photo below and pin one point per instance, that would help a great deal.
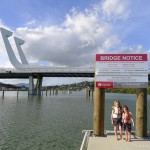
(31, 86)
(39, 85)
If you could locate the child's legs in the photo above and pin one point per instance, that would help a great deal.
(129, 131)
(125, 130)
(115, 130)
(120, 129)
(126, 133)
(129, 135)
(115, 127)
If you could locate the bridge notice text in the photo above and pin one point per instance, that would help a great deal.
(121, 71)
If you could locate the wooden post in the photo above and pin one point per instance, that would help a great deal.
(99, 107)
(46, 91)
(17, 92)
(28, 92)
(42, 92)
(86, 93)
(89, 93)
(56, 92)
(50, 92)
(3, 94)
(92, 93)
(141, 112)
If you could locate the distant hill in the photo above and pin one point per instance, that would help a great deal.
(7, 86)
(25, 85)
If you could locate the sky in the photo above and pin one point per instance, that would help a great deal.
(71, 32)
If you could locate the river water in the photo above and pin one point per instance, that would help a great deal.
(52, 122)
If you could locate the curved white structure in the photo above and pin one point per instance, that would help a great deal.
(6, 34)
(20, 42)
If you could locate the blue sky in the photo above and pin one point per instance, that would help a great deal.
(75, 29)
(16, 13)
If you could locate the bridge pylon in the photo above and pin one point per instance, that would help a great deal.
(31, 86)
(38, 87)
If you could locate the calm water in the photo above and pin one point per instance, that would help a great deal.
(52, 122)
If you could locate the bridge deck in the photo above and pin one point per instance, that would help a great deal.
(109, 143)
(47, 72)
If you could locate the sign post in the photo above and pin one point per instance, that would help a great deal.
(141, 112)
(99, 109)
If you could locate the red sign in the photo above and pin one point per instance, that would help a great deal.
(121, 57)
(121, 71)
(104, 84)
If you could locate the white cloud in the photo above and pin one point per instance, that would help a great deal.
(30, 23)
(76, 41)
(115, 9)
(132, 50)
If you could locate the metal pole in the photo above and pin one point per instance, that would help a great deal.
(99, 107)
(141, 112)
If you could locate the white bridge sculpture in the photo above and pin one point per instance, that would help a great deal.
(6, 34)
(24, 69)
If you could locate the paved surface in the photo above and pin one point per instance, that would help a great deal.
(109, 143)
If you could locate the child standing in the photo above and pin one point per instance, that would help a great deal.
(127, 119)
(116, 118)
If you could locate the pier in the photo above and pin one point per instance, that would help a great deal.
(108, 142)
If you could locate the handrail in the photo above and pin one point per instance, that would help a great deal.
(50, 69)
(85, 140)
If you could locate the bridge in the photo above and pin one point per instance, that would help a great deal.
(25, 70)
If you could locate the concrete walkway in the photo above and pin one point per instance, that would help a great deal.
(109, 143)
